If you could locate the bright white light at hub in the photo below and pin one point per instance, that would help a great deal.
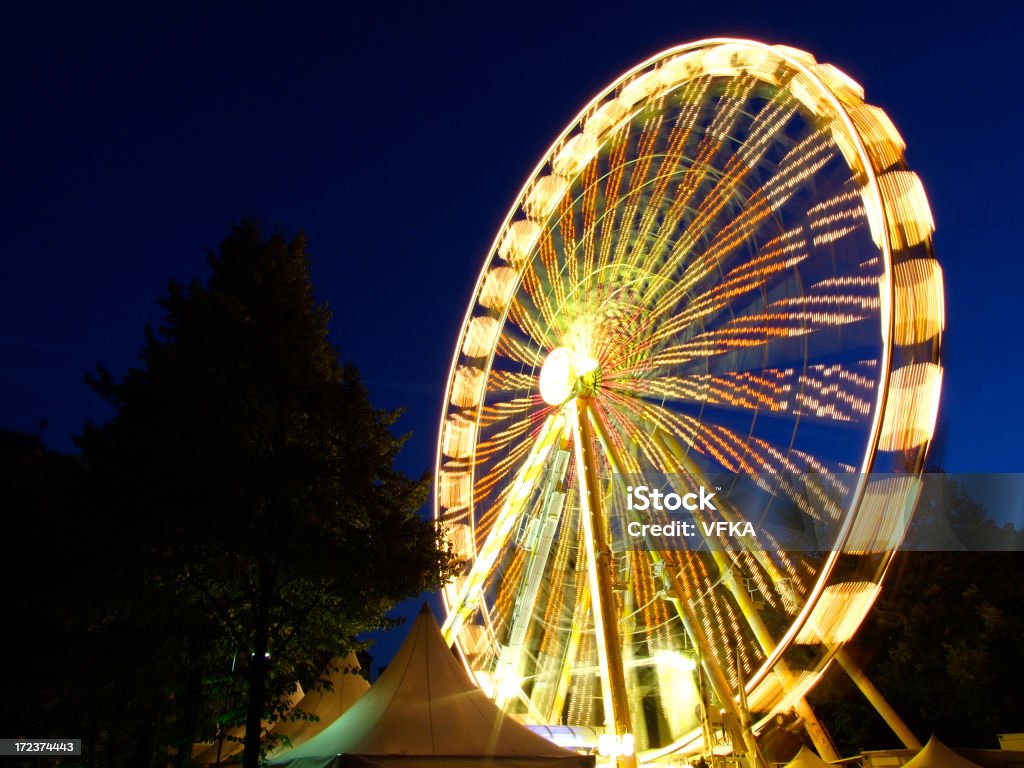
(557, 376)
(610, 745)
(676, 660)
(509, 689)
(583, 363)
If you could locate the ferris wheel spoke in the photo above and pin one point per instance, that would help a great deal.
(828, 345)
(533, 312)
(637, 183)
(769, 121)
(728, 512)
(691, 97)
(812, 154)
(566, 231)
(779, 254)
(765, 127)
(503, 410)
(509, 381)
(800, 164)
(727, 111)
(539, 538)
(525, 353)
(485, 449)
(467, 601)
(588, 215)
(735, 453)
(619, 430)
(526, 319)
(825, 392)
(612, 187)
(702, 437)
(553, 258)
(537, 288)
(821, 224)
(497, 475)
(780, 321)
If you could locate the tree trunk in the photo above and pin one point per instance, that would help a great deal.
(256, 674)
(190, 706)
(92, 732)
(145, 739)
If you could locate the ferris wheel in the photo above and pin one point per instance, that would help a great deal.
(722, 265)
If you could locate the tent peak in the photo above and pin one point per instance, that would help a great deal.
(806, 758)
(935, 754)
(426, 711)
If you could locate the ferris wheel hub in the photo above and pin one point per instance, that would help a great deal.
(567, 373)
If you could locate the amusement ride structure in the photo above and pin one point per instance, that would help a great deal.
(721, 268)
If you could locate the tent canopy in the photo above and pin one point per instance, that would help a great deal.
(326, 705)
(805, 758)
(424, 711)
(935, 754)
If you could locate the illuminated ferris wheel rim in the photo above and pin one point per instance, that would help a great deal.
(876, 213)
(799, 65)
(796, 63)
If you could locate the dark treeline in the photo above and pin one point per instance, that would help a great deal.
(943, 641)
(232, 528)
(104, 645)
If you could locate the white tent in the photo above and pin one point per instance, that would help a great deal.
(937, 755)
(807, 759)
(347, 686)
(425, 712)
(327, 706)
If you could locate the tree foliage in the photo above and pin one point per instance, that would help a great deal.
(244, 512)
(942, 642)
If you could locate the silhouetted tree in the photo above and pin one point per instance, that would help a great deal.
(248, 471)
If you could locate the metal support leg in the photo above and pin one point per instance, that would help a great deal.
(599, 571)
(877, 700)
(716, 676)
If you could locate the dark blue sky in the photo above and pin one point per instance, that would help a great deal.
(396, 136)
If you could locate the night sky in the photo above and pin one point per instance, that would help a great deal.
(396, 136)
